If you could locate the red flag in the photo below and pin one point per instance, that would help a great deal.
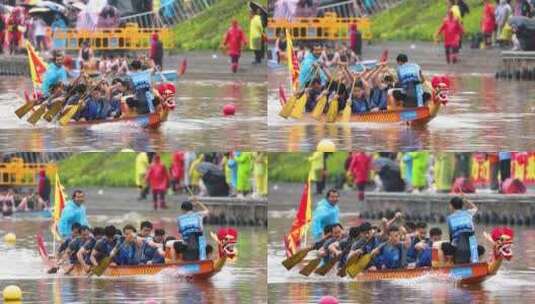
(300, 224)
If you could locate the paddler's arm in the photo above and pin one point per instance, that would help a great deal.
(204, 210)
(80, 258)
(471, 207)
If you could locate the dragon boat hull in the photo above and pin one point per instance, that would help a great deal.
(464, 274)
(196, 270)
(147, 121)
(419, 116)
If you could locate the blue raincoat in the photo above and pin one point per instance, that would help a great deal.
(71, 214)
(54, 74)
(324, 214)
(306, 71)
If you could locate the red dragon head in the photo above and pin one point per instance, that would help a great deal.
(167, 90)
(226, 239)
(503, 242)
(440, 86)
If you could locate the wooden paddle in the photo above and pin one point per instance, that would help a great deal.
(55, 108)
(67, 116)
(57, 104)
(361, 264)
(332, 112)
(288, 107)
(307, 270)
(290, 262)
(346, 113)
(320, 106)
(326, 267)
(26, 107)
(37, 114)
(299, 107)
(106, 261)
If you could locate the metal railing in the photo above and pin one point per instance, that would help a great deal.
(16, 172)
(328, 27)
(170, 13)
(130, 37)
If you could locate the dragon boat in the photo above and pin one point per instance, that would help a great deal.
(226, 239)
(417, 116)
(473, 273)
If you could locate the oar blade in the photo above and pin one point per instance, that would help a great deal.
(332, 112)
(290, 262)
(55, 108)
(359, 266)
(24, 109)
(34, 118)
(102, 266)
(325, 268)
(318, 109)
(299, 108)
(288, 107)
(64, 120)
(346, 113)
(309, 268)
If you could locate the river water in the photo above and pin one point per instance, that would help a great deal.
(513, 283)
(196, 123)
(483, 113)
(243, 281)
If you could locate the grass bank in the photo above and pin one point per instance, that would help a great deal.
(419, 20)
(206, 30)
(294, 167)
(101, 169)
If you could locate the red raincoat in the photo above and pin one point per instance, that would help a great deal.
(234, 39)
(452, 30)
(157, 175)
(177, 167)
(360, 167)
(488, 22)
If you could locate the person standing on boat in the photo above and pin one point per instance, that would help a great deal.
(140, 81)
(310, 66)
(158, 179)
(462, 232)
(55, 73)
(326, 213)
(410, 79)
(190, 229)
(74, 212)
(234, 41)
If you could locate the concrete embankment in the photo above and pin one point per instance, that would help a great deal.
(425, 206)
(223, 210)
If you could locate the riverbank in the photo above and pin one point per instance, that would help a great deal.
(419, 20)
(430, 207)
(206, 30)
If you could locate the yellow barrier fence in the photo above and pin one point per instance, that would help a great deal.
(130, 37)
(329, 27)
(18, 173)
